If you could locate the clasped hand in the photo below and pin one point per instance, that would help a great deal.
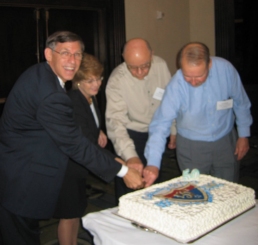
(149, 173)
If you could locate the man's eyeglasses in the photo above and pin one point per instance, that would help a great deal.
(141, 67)
(66, 55)
(91, 81)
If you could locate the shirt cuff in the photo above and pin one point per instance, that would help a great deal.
(243, 132)
(123, 171)
(155, 161)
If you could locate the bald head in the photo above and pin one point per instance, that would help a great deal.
(194, 53)
(137, 54)
(136, 44)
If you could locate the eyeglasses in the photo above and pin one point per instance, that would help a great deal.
(66, 55)
(141, 67)
(91, 81)
(196, 77)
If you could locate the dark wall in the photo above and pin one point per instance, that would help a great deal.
(252, 90)
(25, 31)
(246, 51)
(246, 39)
(236, 40)
(25, 25)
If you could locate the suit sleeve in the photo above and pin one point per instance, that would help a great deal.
(56, 116)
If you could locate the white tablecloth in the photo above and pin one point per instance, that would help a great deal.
(110, 229)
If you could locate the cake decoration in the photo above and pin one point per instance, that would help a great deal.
(193, 175)
(189, 192)
(186, 192)
(187, 207)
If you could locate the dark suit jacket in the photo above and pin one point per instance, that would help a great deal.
(37, 136)
(85, 120)
(83, 115)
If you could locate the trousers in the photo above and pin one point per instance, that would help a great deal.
(17, 230)
(213, 158)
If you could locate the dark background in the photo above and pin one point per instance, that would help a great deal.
(25, 25)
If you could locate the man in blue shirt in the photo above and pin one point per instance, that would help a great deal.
(206, 97)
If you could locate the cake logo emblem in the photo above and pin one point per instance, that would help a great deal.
(187, 193)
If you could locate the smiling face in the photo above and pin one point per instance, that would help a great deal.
(90, 87)
(64, 67)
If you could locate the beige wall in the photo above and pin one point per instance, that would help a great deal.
(183, 21)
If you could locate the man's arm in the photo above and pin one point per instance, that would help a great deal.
(55, 115)
(116, 121)
(159, 130)
(241, 107)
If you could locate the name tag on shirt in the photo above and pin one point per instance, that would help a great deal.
(158, 94)
(226, 104)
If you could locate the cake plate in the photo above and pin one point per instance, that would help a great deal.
(150, 229)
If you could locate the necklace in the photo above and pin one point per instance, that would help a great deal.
(90, 100)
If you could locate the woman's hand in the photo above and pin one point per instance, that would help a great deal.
(102, 140)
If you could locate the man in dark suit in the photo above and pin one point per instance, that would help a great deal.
(37, 136)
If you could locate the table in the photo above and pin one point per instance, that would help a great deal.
(110, 229)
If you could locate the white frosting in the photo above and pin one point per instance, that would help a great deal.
(185, 223)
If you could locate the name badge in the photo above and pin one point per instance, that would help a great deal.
(226, 104)
(158, 94)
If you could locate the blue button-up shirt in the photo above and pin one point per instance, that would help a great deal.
(195, 109)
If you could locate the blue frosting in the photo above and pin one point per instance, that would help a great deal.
(166, 202)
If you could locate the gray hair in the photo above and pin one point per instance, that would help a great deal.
(63, 37)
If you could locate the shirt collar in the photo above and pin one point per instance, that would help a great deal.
(62, 84)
